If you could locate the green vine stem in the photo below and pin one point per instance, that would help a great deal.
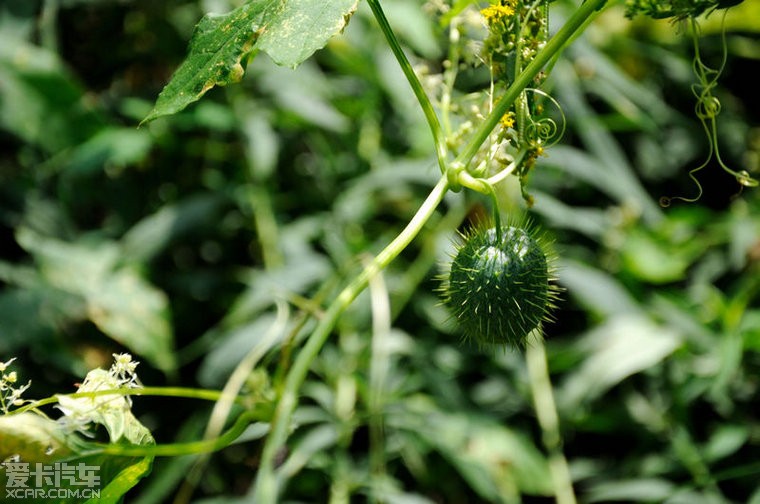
(414, 82)
(179, 449)
(553, 47)
(187, 393)
(266, 490)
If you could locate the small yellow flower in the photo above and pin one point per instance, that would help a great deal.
(507, 120)
(496, 12)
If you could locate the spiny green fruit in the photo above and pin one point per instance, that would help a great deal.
(500, 285)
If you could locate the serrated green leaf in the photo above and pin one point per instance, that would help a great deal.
(217, 48)
(289, 31)
(302, 27)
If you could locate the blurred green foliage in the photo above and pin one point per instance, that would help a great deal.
(174, 241)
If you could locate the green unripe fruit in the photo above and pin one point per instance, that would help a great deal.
(499, 287)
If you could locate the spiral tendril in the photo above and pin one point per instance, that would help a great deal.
(545, 131)
(707, 109)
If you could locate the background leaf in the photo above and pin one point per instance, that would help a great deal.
(615, 350)
(117, 298)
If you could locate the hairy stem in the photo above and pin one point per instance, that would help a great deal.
(266, 482)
